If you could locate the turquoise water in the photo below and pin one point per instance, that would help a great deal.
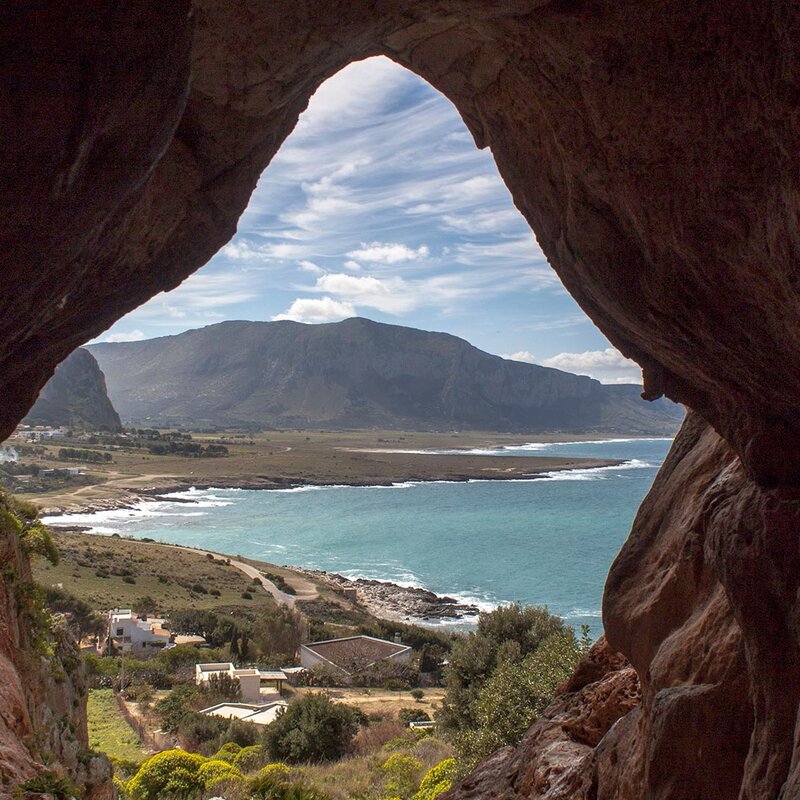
(548, 541)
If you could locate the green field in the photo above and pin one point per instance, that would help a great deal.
(108, 731)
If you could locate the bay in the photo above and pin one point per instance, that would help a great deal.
(548, 541)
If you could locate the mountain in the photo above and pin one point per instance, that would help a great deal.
(75, 397)
(358, 374)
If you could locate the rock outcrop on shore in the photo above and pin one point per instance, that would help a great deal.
(654, 149)
(403, 603)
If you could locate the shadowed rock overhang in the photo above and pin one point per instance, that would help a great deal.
(652, 147)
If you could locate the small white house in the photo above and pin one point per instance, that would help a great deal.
(130, 632)
(255, 686)
(258, 714)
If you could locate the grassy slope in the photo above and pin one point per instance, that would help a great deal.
(152, 564)
(108, 731)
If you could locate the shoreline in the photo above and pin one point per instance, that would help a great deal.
(395, 603)
(127, 497)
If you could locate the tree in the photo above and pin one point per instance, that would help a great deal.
(280, 632)
(516, 694)
(508, 633)
(312, 729)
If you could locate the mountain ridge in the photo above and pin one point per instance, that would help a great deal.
(358, 374)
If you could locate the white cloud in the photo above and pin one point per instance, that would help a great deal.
(607, 366)
(395, 295)
(353, 266)
(310, 266)
(323, 309)
(131, 336)
(388, 253)
(520, 355)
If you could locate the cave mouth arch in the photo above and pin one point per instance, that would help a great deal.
(654, 150)
(594, 129)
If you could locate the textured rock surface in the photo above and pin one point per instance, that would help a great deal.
(42, 693)
(355, 374)
(653, 147)
(76, 397)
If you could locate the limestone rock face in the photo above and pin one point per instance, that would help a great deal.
(653, 147)
(42, 693)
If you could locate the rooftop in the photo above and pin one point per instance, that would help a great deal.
(356, 652)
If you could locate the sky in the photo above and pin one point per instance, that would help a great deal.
(379, 205)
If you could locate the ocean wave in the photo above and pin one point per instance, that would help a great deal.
(575, 613)
(595, 473)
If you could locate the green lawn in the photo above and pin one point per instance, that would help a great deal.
(108, 731)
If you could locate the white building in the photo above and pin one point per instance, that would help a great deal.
(130, 632)
(255, 685)
(258, 714)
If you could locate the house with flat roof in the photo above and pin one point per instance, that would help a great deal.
(258, 714)
(131, 632)
(351, 654)
(255, 685)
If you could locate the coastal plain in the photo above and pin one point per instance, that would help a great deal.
(277, 459)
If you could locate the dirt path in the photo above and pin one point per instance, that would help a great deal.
(306, 592)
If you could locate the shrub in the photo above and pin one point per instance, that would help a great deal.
(212, 771)
(438, 779)
(247, 596)
(198, 588)
(51, 784)
(509, 633)
(413, 715)
(312, 729)
(515, 695)
(402, 775)
(250, 758)
(173, 772)
(227, 752)
(417, 694)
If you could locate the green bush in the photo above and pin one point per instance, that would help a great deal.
(312, 729)
(227, 752)
(173, 772)
(437, 779)
(515, 695)
(210, 772)
(509, 633)
(401, 774)
(413, 715)
(250, 758)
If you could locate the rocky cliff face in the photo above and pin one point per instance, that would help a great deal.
(358, 373)
(655, 150)
(701, 601)
(42, 686)
(76, 397)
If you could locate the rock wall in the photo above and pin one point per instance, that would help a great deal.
(42, 690)
(652, 146)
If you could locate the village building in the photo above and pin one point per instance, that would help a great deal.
(255, 685)
(130, 632)
(351, 654)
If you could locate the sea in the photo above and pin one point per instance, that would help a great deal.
(547, 541)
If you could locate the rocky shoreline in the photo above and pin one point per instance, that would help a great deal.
(394, 602)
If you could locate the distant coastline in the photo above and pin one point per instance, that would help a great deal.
(124, 497)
